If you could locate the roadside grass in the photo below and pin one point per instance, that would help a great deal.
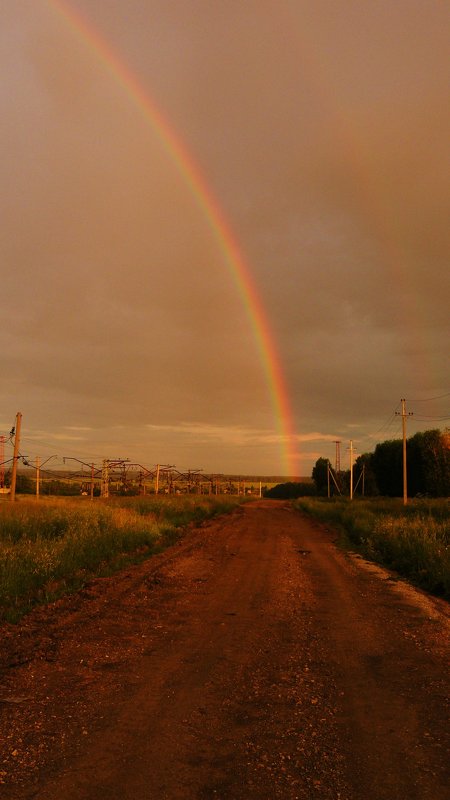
(413, 540)
(53, 547)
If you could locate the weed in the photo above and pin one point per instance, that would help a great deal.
(49, 548)
(413, 540)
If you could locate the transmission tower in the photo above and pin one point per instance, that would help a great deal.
(337, 463)
(105, 478)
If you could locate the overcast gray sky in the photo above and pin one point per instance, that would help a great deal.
(321, 127)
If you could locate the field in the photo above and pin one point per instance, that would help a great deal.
(52, 547)
(413, 540)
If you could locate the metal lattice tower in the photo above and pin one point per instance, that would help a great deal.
(337, 463)
(105, 478)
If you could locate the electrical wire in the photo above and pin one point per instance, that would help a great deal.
(39, 442)
(385, 425)
(393, 418)
(422, 418)
(428, 399)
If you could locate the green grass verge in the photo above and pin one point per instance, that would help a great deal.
(413, 540)
(50, 548)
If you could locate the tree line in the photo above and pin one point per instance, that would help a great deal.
(381, 472)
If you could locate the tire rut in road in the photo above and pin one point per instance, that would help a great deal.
(254, 661)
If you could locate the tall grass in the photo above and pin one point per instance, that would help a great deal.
(49, 548)
(413, 540)
(179, 510)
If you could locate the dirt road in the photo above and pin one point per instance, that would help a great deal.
(253, 660)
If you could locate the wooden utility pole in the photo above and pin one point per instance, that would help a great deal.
(38, 474)
(2, 462)
(403, 415)
(351, 469)
(12, 495)
(157, 479)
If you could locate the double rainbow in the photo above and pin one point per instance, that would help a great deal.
(232, 255)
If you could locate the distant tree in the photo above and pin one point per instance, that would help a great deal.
(364, 461)
(24, 484)
(320, 475)
(429, 464)
(416, 468)
(344, 481)
(60, 488)
(291, 490)
(387, 465)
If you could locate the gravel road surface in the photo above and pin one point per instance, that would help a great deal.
(252, 661)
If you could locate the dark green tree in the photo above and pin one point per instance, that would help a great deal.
(291, 490)
(387, 465)
(370, 483)
(24, 484)
(429, 464)
(320, 475)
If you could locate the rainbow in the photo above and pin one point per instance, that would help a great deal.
(234, 260)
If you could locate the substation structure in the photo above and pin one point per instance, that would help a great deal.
(122, 477)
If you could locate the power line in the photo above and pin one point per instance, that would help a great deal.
(428, 399)
(431, 419)
(42, 443)
(384, 427)
(387, 424)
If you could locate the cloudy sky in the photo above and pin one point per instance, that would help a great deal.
(321, 128)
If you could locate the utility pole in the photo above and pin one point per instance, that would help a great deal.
(38, 475)
(403, 415)
(157, 479)
(92, 481)
(12, 495)
(351, 469)
(2, 462)
(330, 475)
